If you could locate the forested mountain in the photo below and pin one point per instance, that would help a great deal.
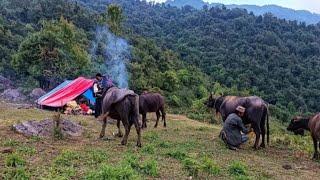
(46, 42)
(271, 57)
(278, 11)
(258, 55)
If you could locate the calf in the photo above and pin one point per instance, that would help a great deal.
(152, 102)
(311, 124)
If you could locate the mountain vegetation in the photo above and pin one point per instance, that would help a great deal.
(182, 52)
(44, 42)
(278, 11)
(263, 55)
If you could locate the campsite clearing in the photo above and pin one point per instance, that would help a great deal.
(185, 148)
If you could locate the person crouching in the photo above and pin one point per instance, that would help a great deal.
(232, 128)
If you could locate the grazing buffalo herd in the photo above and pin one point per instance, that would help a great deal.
(126, 106)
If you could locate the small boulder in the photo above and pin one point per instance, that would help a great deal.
(287, 166)
(7, 150)
(5, 83)
(14, 95)
(45, 128)
(37, 93)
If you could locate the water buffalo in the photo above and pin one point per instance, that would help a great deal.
(311, 124)
(122, 105)
(152, 102)
(256, 113)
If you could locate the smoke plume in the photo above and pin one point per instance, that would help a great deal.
(115, 52)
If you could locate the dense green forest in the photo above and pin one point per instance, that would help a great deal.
(183, 53)
(49, 41)
(276, 59)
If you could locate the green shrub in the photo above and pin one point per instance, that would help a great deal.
(149, 148)
(97, 156)
(192, 166)
(237, 168)
(62, 172)
(177, 154)
(66, 158)
(203, 128)
(14, 160)
(15, 173)
(112, 173)
(152, 136)
(27, 150)
(150, 167)
(132, 161)
(35, 138)
(10, 143)
(209, 166)
(57, 133)
(164, 144)
(242, 177)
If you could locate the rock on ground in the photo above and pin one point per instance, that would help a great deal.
(5, 83)
(37, 93)
(13, 95)
(45, 128)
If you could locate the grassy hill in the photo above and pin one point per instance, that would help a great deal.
(185, 148)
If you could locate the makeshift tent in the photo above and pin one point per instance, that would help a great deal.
(68, 91)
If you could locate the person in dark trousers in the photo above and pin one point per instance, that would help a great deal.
(101, 85)
(232, 128)
(98, 91)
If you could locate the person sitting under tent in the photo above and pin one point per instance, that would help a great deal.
(85, 107)
(232, 128)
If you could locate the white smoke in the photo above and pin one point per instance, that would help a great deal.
(116, 54)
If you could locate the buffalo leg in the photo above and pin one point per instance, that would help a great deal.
(127, 128)
(163, 113)
(144, 120)
(158, 117)
(263, 133)
(119, 129)
(103, 130)
(257, 131)
(315, 144)
(136, 124)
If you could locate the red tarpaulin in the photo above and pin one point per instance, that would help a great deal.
(68, 93)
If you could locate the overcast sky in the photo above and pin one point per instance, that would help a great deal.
(311, 5)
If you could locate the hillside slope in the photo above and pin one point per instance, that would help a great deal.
(263, 55)
(278, 11)
(185, 148)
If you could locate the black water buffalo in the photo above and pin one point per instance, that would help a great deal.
(152, 102)
(311, 124)
(121, 104)
(256, 113)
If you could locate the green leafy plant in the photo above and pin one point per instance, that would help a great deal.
(237, 168)
(209, 166)
(192, 166)
(177, 154)
(14, 160)
(15, 173)
(150, 167)
(149, 148)
(10, 142)
(109, 172)
(66, 158)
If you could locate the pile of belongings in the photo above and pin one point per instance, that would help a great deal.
(74, 108)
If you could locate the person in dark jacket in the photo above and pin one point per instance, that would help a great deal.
(232, 128)
(101, 85)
